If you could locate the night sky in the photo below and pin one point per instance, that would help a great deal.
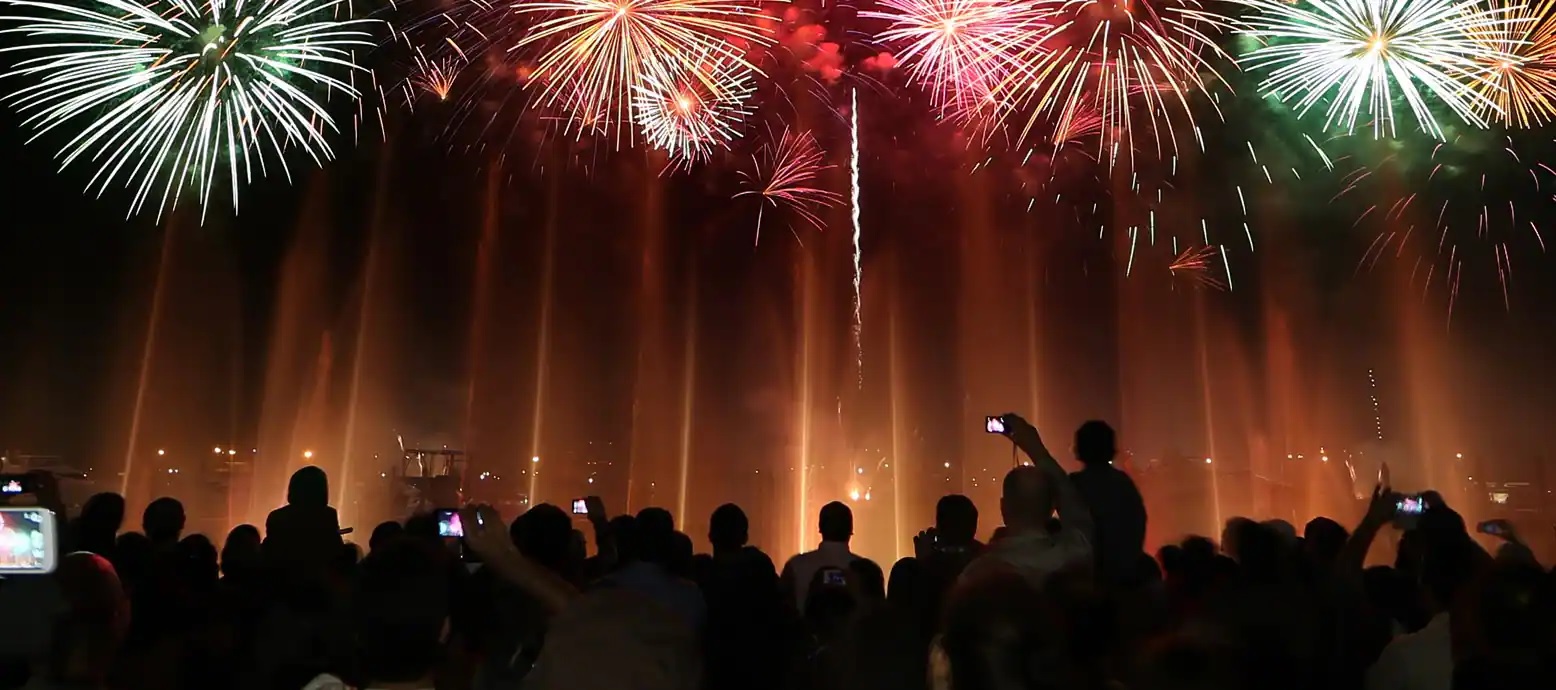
(76, 297)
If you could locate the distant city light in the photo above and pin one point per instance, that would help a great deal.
(232, 452)
(535, 459)
(308, 454)
(218, 450)
(1459, 455)
(948, 465)
(866, 495)
(161, 452)
(1207, 461)
(1323, 458)
(853, 495)
(859, 471)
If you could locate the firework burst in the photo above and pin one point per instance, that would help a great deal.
(1452, 205)
(1518, 82)
(592, 54)
(961, 51)
(784, 175)
(435, 76)
(178, 93)
(1357, 56)
(1135, 64)
(698, 110)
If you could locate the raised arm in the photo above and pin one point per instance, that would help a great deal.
(484, 533)
(1073, 511)
(1379, 512)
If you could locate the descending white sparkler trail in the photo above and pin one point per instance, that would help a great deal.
(853, 173)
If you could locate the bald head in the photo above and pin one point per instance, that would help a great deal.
(1027, 500)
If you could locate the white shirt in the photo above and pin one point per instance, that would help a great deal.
(801, 569)
(1035, 555)
(1422, 660)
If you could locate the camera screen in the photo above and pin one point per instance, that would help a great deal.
(23, 543)
(580, 507)
(12, 486)
(449, 525)
(1411, 505)
(994, 425)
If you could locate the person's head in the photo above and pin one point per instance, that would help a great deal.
(1259, 551)
(1322, 540)
(423, 526)
(681, 552)
(132, 553)
(1449, 556)
(401, 612)
(628, 543)
(956, 519)
(241, 551)
(309, 486)
(544, 534)
(837, 522)
(1515, 607)
(996, 635)
(656, 536)
(103, 512)
(197, 560)
(1233, 533)
(867, 581)
(728, 529)
(656, 520)
(1095, 443)
(163, 521)
(1026, 499)
(383, 533)
(904, 587)
(86, 636)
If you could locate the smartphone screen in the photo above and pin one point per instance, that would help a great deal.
(994, 425)
(448, 523)
(28, 544)
(580, 507)
(12, 484)
(1410, 505)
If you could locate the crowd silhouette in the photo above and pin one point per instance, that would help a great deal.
(1062, 597)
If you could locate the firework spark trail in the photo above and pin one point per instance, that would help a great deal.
(853, 186)
(1518, 77)
(1194, 263)
(697, 110)
(793, 163)
(1132, 62)
(168, 94)
(960, 50)
(1358, 54)
(593, 52)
